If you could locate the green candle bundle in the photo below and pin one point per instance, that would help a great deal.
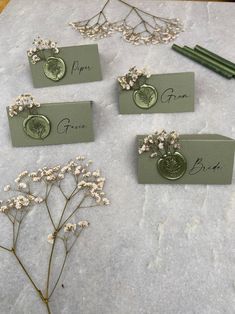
(208, 59)
(214, 56)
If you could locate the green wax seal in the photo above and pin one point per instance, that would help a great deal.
(54, 68)
(37, 126)
(172, 166)
(145, 97)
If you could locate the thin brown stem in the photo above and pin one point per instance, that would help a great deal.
(105, 5)
(78, 206)
(49, 213)
(48, 191)
(66, 203)
(95, 205)
(62, 192)
(57, 229)
(58, 279)
(48, 308)
(13, 229)
(5, 248)
(49, 268)
(67, 251)
(27, 274)
(18, 230)
(72, 245)
(128, 14)
(9, 217)
(140, 10)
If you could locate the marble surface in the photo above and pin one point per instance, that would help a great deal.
(156, 249)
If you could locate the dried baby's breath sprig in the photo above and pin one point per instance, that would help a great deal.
(96, 27)
(133, 79)
(31, 189)
(83, 224)
(70, 227)
(22, 102)
(160, 143)
(37, 53)
(149, 28)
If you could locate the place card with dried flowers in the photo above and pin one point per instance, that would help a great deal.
(140, 92)
(167, 158)
(171, 164)
(137, 26)
(77, 187)
(54, 67)
(34, 124)
(51, 66)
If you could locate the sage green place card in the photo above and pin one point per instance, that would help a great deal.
(53, 123)
(80, 64)
(209, 158)
(161, 93)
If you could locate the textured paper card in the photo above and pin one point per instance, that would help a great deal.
(210, 159)
(70, 123)
(82, 65)
(175, 93)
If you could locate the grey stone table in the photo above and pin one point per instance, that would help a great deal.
(156, 249)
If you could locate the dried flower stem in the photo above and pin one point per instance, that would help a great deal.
(5, 248)
(152, 29)
(88, 185)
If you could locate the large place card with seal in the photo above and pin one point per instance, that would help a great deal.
(141, 92)
(34, 124)
(52, 66)
(169, 158)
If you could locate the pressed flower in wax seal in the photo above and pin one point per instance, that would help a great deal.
(144, 95)
(171, 164)
(54, 67)
(35, 125)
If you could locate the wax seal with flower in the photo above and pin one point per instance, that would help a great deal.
(35, 125)
(171, 164)
(144, 95)
(46, 50)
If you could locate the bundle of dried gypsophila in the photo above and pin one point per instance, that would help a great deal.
(133, 79)
(96, 27)
(37, 53)
(38, 188)
(149, 28)
(160, 143)
(21, 103)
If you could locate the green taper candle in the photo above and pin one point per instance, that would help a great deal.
(207, 64)
(214, 56)
(206, 58)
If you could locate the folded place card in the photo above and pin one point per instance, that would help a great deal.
(161, 93)
(51, 123)
(198, 159)
(52, 66)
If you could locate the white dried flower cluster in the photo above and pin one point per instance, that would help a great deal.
(91, 182)
(83, 224)
(149, 29)
(51, 238)
(7, 188)
(128, 80)
(40, 45)
(95, 31)
(22, 102)
(70, 227)
(20, 202)
(153, 35)
(160, 142)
